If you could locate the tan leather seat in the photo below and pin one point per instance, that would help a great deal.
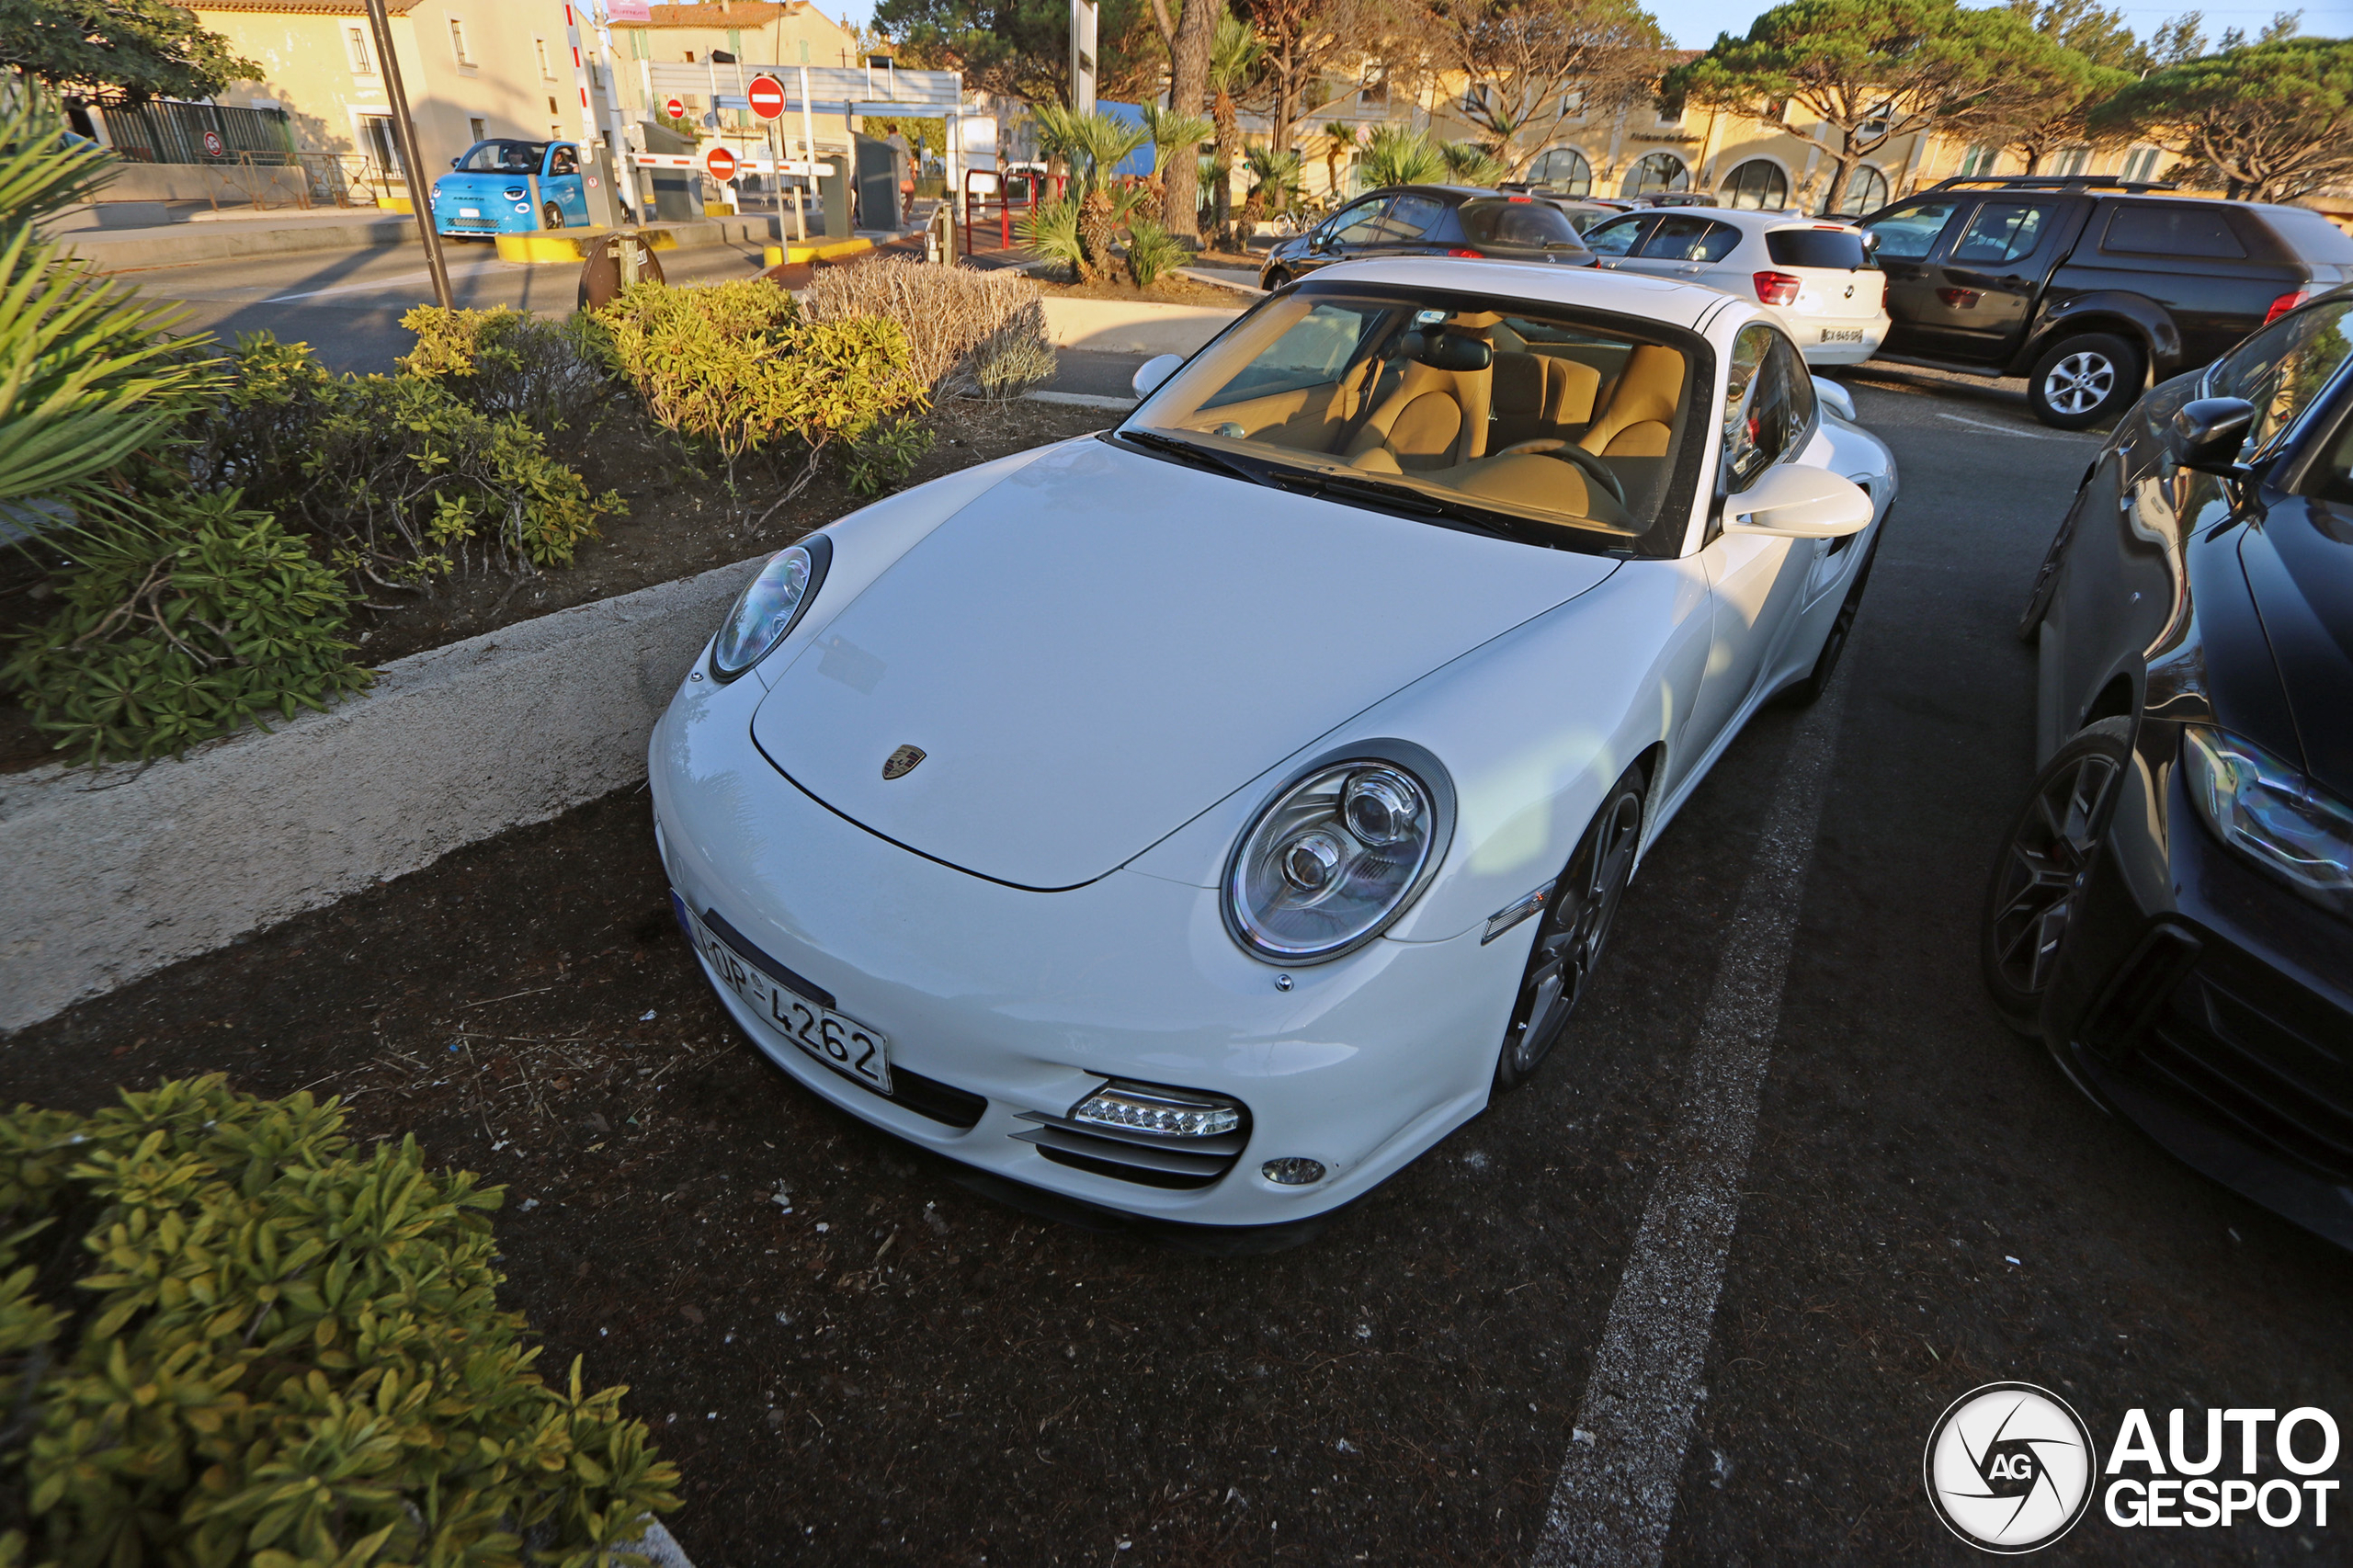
(1431, 419)
(1571, 389)
(1518, 391)
(1639, 421)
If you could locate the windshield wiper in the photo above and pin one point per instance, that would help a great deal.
(1202, 456)
(1405, 497)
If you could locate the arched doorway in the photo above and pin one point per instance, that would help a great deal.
(1866, 192)
(1758, 186)
(1564, 171)
(1653, 174)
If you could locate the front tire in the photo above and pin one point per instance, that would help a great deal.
(1275, 278)
(2080, 381)
(1573, 932)
(1808, 692)
(551, 217)
(2046, 858)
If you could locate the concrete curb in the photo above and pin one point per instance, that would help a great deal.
(129, 250)
(115, 874)
(1131, 326)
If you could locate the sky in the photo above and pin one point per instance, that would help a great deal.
(1694, 23)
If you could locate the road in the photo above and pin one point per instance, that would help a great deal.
(894, 1369)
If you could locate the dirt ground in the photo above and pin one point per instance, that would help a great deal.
(680, 520)
(1169, 290)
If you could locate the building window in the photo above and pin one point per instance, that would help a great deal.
(2072, 161)
(1758, 186)
(2141, 164)
(383, 148)
(1653, 174)
(1562, 171)
(1875, 122)
(1776, 111)
(457, 41)
(691, 57)
(1866, 192)
(478, 128)
(355, 39)
(540, 47)
(1670, 114)
(1477, 97)
(1572, 104)
(1979, 160)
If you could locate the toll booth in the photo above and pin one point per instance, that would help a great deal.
(881, 169)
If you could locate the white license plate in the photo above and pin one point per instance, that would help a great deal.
(1842, 335)
(836, 1040)
(469, 212)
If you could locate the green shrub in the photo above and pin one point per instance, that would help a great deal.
(735, 368)
(1152, 251)
(882, 454)
(1050, 231)
(401, 479)
(183, 619)
(281, 1351)
(504, 361)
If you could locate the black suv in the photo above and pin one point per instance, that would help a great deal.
(1430, 219)
(2086, 286)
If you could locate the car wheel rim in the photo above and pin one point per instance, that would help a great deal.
(1575, 930)
(2079, 382)
(2043, 871)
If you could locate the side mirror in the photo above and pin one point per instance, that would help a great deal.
(1789, 502)
(2209, 432)
(1154, 371)
(1839, 400)
(455, 161)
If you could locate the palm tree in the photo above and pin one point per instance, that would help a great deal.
(1397, 154)
(1233, 58)
(1339, 141)
(1274, 183)
(1093, 146)
(1172, 132)
(1467, 163)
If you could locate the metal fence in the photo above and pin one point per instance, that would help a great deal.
(165, 132)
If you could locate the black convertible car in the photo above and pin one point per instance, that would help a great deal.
(2172, 909)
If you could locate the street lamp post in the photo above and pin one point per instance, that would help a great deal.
(420, 197)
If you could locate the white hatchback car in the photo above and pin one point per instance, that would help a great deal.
(1200, 819)
(1815, 274)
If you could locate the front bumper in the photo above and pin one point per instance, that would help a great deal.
(2210, 1006)
(1027, 1002)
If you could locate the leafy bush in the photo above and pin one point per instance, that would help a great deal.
(1050, 231)
(281, 1351)
(735, 369)
(401, 479)
(882, 454)
(504, 361)
(948, 315)
(1397, 154)
(1467, 163)
(182, 621)
(89, 378)
(1152, 251)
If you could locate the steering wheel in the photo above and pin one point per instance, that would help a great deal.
(1567, 451)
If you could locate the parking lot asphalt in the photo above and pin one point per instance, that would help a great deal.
(875, 1365)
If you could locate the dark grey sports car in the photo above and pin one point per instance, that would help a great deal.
(2172, 909)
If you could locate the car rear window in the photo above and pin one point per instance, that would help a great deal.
(1840, 248)
(1518, 223)
(2170, 230)
(1679, 238)
(2311, 236)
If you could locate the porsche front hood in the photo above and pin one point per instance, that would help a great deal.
(1104, 644)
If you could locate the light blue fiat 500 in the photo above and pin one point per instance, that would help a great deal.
(509, 188)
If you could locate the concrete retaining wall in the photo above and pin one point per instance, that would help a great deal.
(116, 873)
(125, 250)
(1128, 327)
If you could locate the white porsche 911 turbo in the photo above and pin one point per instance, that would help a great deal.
(1202, 819)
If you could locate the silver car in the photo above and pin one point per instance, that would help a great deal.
(1815, 274)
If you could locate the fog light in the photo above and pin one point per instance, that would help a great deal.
(1142, 1110)
(1292, 1171)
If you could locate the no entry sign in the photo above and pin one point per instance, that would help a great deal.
(675, 109)
(766, 94)
(719, 165)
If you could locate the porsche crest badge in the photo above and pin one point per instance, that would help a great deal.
(902, 762)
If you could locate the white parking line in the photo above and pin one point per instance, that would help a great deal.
(1615, 1497)
(464, 269)
(2009, 430)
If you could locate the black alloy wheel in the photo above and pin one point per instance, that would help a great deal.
(2045, 860)
(1275, 277)
(2080, 381)
(1808, 691)
(552, 217)
(1571, 933)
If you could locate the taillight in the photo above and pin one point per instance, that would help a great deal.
(1778, 288)
(2286, 302)
(1457, 250)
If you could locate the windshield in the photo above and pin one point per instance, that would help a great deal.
(1522, 222)
(501, 158)
(1563, 427)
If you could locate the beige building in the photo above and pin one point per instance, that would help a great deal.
(755, 31)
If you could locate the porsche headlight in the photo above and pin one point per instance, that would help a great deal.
(2269, 811)
(1337, 856)
(765, 610)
